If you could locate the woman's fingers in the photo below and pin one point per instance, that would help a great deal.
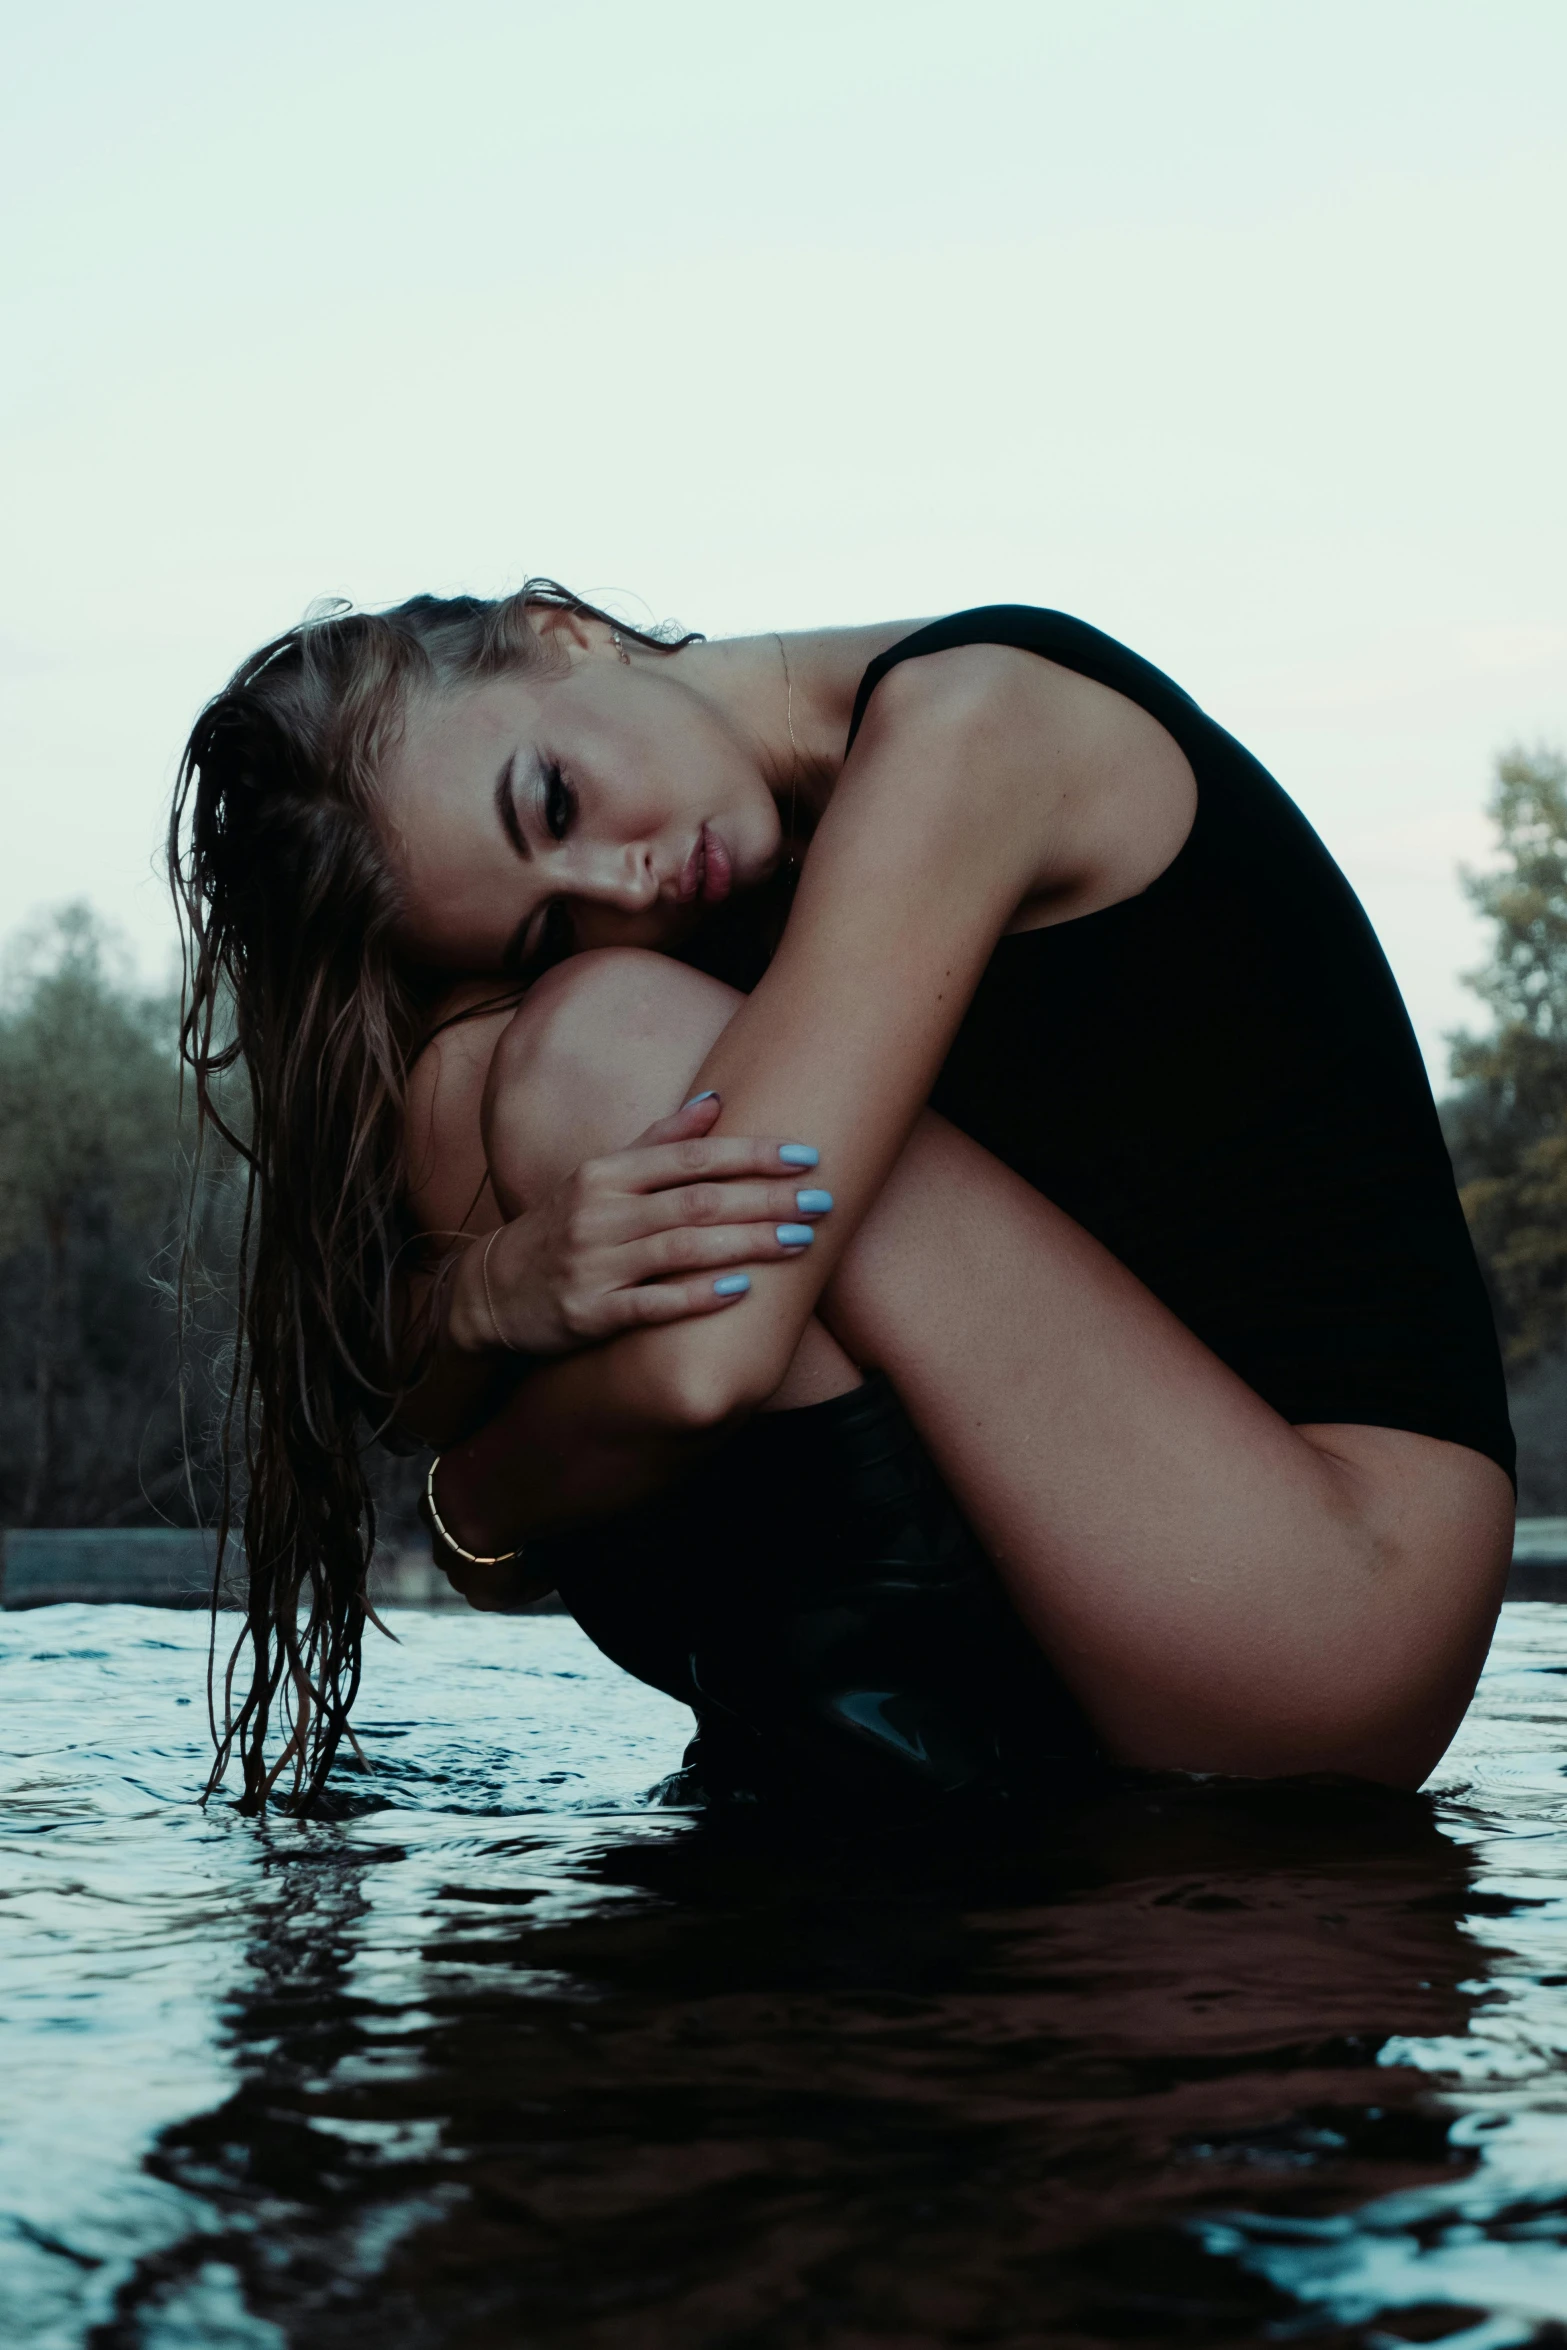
(671, 1275)
(709, 1203)
(710, 1248)
(659, 1232)
(679, 1152)
(692, 1119)
(676, 1301)
(610, 1311)
(714, 1158)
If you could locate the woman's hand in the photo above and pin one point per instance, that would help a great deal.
(650, 1234)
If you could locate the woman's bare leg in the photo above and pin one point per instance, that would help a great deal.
(600, 1049)
(1223, 1591)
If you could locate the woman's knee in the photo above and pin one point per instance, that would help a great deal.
(599, 1047)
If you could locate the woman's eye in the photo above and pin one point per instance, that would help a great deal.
(559, 802)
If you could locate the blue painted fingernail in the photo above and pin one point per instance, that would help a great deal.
(795, 1235)
(710, 1096)
(813, 1203)
(732, 1285)
(798, 1154)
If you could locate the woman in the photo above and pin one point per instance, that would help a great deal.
(1138, 1197)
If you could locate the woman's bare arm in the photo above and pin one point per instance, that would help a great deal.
(959, 803)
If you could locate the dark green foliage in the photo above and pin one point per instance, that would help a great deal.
(104, 1419)
(1507, 1123)
(91, 1207)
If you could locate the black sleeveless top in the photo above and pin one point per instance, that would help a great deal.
(1218, 1079)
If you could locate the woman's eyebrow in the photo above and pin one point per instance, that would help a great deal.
(506, 806)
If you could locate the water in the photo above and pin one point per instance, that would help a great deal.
(511, 2057)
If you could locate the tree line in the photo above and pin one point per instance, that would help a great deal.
(97, 1424)
(110, 1414)
(117, 1254)
(1506, 1120)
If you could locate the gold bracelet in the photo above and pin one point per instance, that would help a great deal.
(469, 1558)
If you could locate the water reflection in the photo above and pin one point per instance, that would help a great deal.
(1195, 2064)
(707, 2091)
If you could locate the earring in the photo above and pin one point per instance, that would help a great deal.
(614, 638)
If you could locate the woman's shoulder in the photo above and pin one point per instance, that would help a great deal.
(1001, 702)
(1019, 675)
(974, 657)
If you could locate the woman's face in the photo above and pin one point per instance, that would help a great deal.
(539, 813)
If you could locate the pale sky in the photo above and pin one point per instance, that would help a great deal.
(1234, 326)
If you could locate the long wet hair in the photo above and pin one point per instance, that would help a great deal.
(299, 1025)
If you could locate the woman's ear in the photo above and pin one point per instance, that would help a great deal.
(568, 633)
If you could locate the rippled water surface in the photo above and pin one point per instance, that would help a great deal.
(511, 2057)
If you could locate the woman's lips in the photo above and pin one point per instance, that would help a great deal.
(718, 877)
(708, 873)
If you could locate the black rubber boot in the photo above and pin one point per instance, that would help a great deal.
(879, 1658)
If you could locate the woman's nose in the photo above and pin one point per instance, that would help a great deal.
(623, 876)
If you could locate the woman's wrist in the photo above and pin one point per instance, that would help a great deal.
(496, 1583)
(472, 1324)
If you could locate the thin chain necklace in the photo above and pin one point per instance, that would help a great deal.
(794, 771)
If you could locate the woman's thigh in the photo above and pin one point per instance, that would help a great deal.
(1223, 1591)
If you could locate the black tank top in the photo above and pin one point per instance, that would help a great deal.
(1218, 1079)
